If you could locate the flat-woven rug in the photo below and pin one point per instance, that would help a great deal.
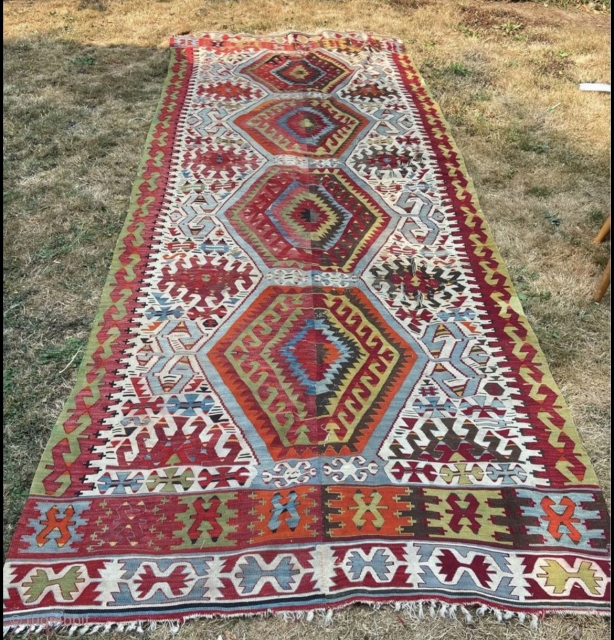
(310, 382)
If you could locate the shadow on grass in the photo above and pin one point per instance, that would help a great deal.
(75, 122)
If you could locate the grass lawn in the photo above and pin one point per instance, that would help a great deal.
(82, 79)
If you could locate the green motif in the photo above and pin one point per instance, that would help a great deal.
(206, 522)
(40, 582)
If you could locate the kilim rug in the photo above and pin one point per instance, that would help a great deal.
(310, 382)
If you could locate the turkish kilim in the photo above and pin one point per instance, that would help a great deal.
(310, 382)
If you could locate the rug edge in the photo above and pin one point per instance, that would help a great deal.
(106, 302)
(570, 427)
(413, 609)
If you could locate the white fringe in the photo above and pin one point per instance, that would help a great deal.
(415, 610)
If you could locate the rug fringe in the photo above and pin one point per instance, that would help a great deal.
(414, 610)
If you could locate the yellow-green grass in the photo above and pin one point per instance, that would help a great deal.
(82, 79)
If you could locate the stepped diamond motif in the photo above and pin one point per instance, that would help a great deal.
(317, 219)
(311, 127)
(296, 361)
(290, 72)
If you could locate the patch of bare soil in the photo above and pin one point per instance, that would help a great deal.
(538, 15)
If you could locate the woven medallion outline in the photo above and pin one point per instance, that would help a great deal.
(320, 353)
(306, 127)
(289, 72)
(319, 219)
(309, 383)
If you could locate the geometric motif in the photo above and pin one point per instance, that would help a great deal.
(303, 127)
(312, 219)
(291, 359)
(290, 72)
(310, 382)
(196, 277)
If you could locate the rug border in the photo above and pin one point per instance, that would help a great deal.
(539, 359)
(110, 287)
